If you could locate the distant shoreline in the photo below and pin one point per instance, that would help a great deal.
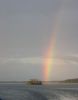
(68, 81)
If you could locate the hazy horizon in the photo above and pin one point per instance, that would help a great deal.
(26, 27)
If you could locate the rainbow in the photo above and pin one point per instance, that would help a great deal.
(48, 61)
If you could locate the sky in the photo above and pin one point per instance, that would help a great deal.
(26, 28)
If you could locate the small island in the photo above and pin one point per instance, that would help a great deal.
(34, 82)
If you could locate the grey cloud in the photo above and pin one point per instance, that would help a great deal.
(29, 6)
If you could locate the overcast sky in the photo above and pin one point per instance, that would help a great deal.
(25, 31)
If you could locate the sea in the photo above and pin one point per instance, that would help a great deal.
(21, 91)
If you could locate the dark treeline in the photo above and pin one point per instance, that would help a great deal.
(71, 81)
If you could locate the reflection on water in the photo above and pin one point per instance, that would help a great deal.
(48, 92)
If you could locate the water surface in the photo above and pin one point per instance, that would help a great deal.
(44, 92)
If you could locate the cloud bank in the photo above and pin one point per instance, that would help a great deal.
(40, 60)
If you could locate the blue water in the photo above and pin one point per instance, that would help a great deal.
(47, 92)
